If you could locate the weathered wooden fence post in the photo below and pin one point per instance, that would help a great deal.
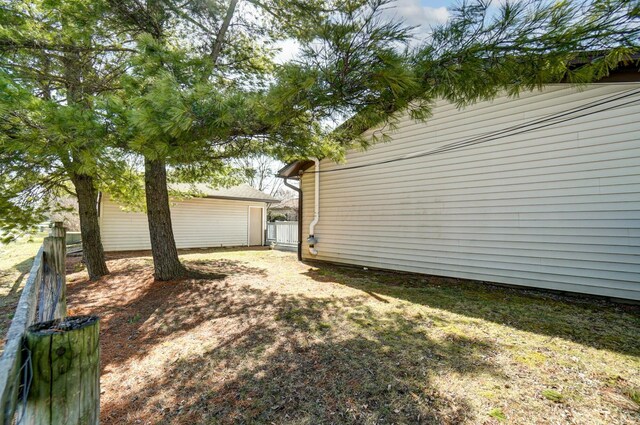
(53, 292)
(65, 385)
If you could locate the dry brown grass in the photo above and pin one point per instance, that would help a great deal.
(261, 338)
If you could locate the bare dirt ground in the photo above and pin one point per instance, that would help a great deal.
(259, 338)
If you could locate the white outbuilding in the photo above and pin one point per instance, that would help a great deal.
(224, 217)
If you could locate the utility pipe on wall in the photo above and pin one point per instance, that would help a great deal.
(316, 209)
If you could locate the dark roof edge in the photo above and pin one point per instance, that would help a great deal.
(293, 169)
(584, 58)
(235, 198)
(231, 198)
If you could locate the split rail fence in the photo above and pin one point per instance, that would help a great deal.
(49, 370)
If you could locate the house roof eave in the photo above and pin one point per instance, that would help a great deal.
(293, 169)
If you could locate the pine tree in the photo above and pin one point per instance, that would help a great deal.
(55, 58)
(195, 97)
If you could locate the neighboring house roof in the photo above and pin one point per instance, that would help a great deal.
(242, 192)
(289, 204)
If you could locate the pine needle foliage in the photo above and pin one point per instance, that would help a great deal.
(365, 70)
(55, 61)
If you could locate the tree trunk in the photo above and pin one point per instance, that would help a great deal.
(92, 250)
(166, 264)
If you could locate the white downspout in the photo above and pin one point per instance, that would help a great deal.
(316, 209)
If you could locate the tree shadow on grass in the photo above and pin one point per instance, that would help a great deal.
(137, 313)
(314, 361)
(9, 301)
(586, 320)
(219, 269)
(23, 269)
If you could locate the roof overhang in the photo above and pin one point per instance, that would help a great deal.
(236, 198)
(594, 55)
(294, 169)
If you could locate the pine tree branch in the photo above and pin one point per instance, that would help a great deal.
(7, 45)
(217, 46)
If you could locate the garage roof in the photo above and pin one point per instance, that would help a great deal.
(242, 192)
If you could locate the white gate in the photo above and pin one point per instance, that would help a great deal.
(283, 233)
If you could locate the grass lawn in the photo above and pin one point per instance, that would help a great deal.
(261, 338)
(15, 262)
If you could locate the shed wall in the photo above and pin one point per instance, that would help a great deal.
(556, 208)
(197, 223)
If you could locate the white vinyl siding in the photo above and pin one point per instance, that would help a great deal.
(555, 208)
(197, 223)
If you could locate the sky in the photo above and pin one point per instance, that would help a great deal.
(418, 13)
(423, 13)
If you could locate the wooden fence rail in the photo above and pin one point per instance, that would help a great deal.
(12, 358)
(43, 299)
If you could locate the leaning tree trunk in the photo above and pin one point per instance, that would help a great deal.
(166, 264)
(92, 250)
(74, 67)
